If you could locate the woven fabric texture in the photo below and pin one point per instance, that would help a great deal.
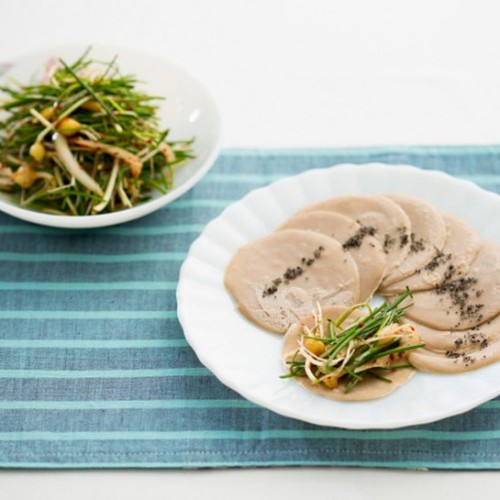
(95, 370)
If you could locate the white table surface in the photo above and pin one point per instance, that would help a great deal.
(292, 73)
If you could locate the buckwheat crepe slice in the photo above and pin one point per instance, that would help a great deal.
(457, 351)
(390, 222)
(368, 389)
(363, 248)
(462, 361)
(427, 237)
(465, 302)
(453, 351)
(474, 338)
(460, 249)
(280, 278)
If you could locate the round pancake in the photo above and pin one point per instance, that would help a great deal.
(457, 351)
(465, 302)
(355, 239)
(368, 389)
(391, 225)
(434, 362)
(280, 278)
(460, 249)
(471, 339)
(427, 237)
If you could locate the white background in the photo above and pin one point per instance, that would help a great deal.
(292, 73)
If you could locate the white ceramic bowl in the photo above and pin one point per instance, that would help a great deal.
(188, 110)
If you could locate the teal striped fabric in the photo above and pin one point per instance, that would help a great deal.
(95, 370)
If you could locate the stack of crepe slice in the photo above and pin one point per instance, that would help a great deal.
(343, 250)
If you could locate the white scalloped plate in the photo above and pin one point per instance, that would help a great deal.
(247, 359)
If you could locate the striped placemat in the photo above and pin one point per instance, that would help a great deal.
(95, 370)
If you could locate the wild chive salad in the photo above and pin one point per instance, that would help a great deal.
(369, 347)
(84, 141)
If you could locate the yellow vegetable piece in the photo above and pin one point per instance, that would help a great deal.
(315, 346)
(331, 382)
(37, 151)
(68, 126)
(25, 176)
(93, 106)
(48, 113)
